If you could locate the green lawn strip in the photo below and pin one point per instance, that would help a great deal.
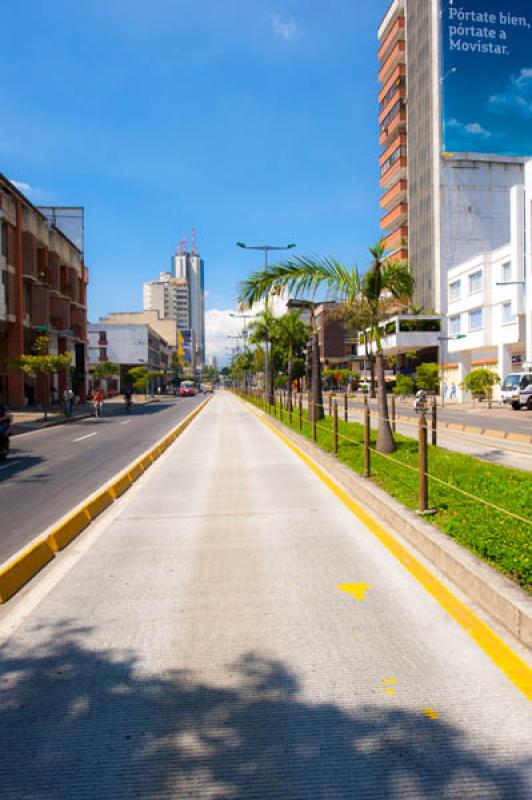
(499, 539)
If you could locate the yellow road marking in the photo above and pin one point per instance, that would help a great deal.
(358, 590)
(387, 686)
(430, 713)
(515, 669)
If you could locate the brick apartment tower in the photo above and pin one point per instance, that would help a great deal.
(392, 131)
(43, 290)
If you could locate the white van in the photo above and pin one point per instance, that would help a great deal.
(516, 389)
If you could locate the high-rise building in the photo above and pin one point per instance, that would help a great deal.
(455, 129)
(170, 297)
(187, 265)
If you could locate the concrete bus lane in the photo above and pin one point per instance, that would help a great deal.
(50, 471)
(233, 630)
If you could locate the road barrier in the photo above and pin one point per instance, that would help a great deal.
(28, 562)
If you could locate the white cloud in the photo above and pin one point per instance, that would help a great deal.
(21, 185)
(219, 325)
(516, 98)
(471, 128)
(285, 29)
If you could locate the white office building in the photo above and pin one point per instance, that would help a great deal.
(170, 297)
(490, 300)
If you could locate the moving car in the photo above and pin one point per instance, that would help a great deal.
(187, 389)
(516, 389)
(208, 388)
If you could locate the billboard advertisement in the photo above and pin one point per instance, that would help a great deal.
(185, 345)
(486, 76)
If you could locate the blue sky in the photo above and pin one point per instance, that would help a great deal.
(248, 119)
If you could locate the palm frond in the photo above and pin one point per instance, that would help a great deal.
(301, 276)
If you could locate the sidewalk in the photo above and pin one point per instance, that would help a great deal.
(230, 630)
(24, 421)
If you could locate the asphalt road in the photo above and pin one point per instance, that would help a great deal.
(501, 419)
(235, 632)
(50, 471)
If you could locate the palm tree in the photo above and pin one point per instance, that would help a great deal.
(385, 286)
(263, 331)
(292, 336)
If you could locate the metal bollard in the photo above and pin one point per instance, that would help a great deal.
(335, 427)
(314, 422)
(346, 408)
(367, 435)
(434, 422)
(394, 424)
(330, 404)
(300, 408)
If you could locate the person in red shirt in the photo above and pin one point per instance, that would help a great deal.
(98, 402)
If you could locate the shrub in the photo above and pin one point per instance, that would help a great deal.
(428, 377)
(480, 382)
(403, 385)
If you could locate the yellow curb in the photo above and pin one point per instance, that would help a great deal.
(14, 574)
(120, 486)
(515, 669)
(18, 572)
(68, 530)
(495, 434)
(470, 429)
(518, 437)
(454, 426)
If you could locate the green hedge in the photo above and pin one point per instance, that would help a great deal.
(499, 539)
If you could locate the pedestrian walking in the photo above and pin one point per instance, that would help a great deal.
(68, 397)
(444, 391)
(452, 396)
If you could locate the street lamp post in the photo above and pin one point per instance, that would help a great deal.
(315, 386)
(266, 249)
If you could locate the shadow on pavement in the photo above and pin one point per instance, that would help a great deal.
(16, 464)
(81, 723)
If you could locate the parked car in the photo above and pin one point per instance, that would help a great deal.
(516, 390)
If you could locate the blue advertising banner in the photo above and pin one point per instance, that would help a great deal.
(487, 76)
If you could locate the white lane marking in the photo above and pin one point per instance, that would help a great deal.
(126, 422)
(87, 436)
(10, 463)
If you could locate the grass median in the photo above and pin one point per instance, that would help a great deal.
(498, 538)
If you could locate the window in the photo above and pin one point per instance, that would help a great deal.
(455, 324)
(506, 272)
(455, 290)
(3, 236)
(476, 319)
(475, 282)
(507, 315)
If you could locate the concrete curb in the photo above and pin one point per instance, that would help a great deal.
(25, 564)
(497, 595)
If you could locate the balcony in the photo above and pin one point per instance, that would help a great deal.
(396, 194)
(397, 239)
(394, 127)
(397, 55)
(396, 216)
(406, 332)
(395, 34)
(395, 85)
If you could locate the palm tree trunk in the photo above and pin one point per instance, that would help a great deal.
(385, 440)
(372, 392)
(289, 377)
(317, 390)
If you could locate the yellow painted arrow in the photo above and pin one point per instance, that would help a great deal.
(357, 590)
